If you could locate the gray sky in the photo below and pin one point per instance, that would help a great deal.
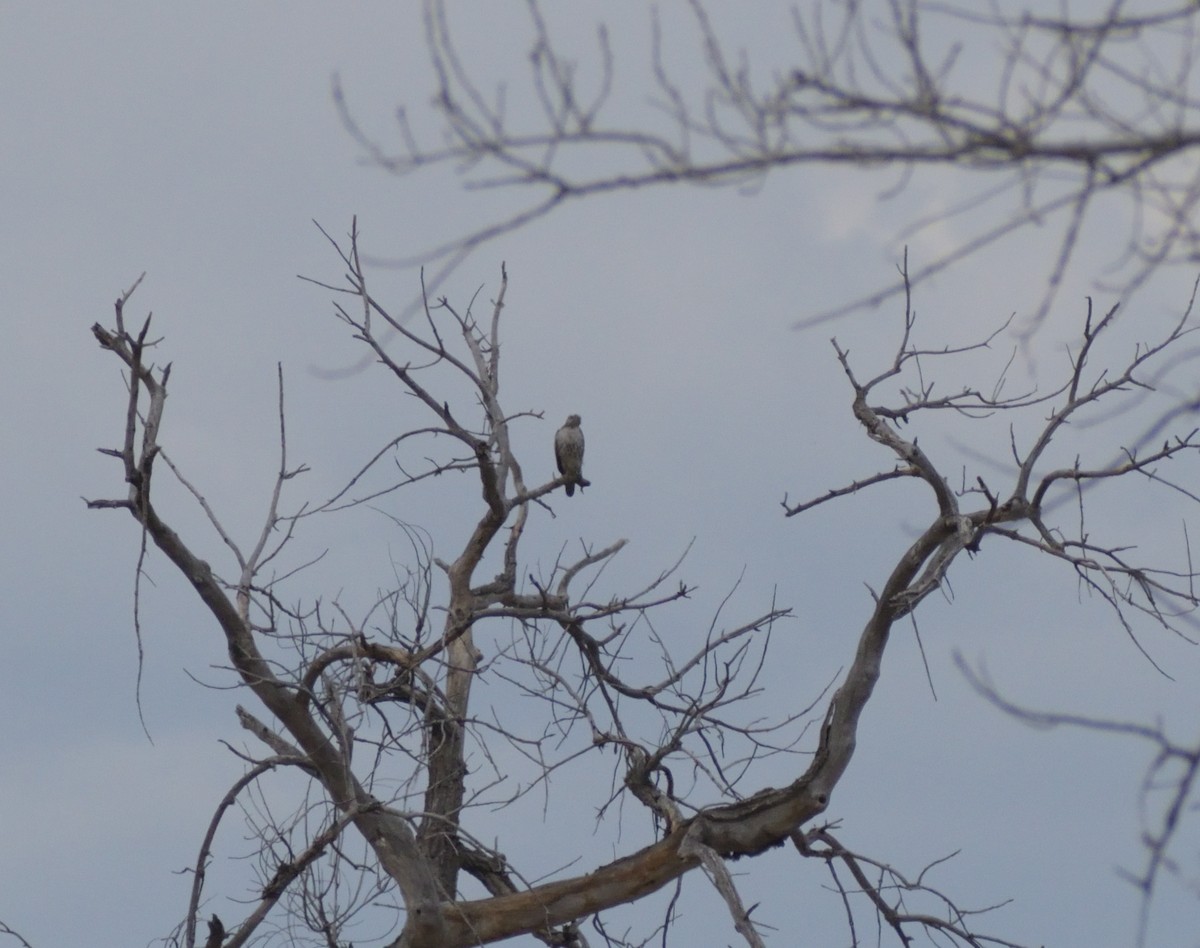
(197, 143)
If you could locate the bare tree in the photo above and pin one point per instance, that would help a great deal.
(379, 715)
(1073, 119)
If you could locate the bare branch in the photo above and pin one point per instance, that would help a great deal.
(1173, 771)
(1078, 109)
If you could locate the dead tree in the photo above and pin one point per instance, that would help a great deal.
(378, 715)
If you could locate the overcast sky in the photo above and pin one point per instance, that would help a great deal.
(198, 143)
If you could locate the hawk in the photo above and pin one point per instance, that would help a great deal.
(568, 453)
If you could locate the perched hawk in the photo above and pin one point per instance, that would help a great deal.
(568, 453)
